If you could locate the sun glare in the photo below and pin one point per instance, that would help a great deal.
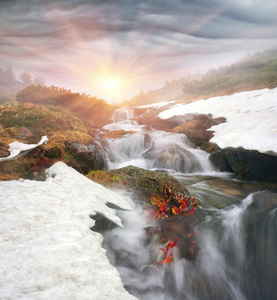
(112, 84)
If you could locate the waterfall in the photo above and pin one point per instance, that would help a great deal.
(122, 114)
(152, 149)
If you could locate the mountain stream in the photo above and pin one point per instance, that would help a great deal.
(234, 229)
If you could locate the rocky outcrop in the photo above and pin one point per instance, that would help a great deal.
(142, 183)
(246, 164)
(196, 129)
(117, 133)
(260, 237)
(173, 157)
(220, 161)
(194, 126)
(85, 158)
(150, 118)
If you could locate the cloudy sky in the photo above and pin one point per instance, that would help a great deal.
(114, 48)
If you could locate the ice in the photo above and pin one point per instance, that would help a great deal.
(251, 118)
(47, 248)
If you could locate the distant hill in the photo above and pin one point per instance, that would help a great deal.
(172, 91)
(256, 71)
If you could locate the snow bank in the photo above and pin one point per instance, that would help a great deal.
(251, 118)
(156, 105)
(18, 149)
(47, 248)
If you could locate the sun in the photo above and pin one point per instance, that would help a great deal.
(112, 84)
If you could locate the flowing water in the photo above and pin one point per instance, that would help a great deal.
(234, 229)
(150, 149)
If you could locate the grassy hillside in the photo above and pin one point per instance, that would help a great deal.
(254, 72)
(58, 123)
(95, 111)
(172, 91)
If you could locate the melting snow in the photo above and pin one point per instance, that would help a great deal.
(18, 149)
(156, 105)
(251, 118)
(47, 248)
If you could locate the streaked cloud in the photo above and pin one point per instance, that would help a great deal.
(148, 41)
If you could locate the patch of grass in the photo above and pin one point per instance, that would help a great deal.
(105, 179)
(39, 119)
(59, 124)
(117, 133)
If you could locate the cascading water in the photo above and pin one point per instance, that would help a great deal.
(234, 232)
(152, 149)
(236, 257)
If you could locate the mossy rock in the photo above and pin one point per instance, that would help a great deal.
(142, 183)
(117, 133)
(196, 129)
(4, 149)
(54, 152)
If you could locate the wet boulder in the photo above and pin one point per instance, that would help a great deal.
(260, 222)
(142, 183)
(247, 164)
(219, 159)
(173, 157)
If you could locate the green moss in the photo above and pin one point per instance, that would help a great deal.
(144, 184)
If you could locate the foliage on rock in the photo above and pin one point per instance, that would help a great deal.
(117, 133)
(142, 183)
(101, 177)
(170, 204)
(167, 207)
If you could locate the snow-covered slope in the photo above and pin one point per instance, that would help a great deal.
(251, 118)
(47, 248)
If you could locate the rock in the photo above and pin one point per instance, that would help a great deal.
(261, 243)
(173, 157)
(150, 118)
(142, 183)
(117, 133)
(219, 159)
(53, 152)
(183, 228)
(246, 164)
(252, 165)
(196, 129)
(85, 158)
(24, 133)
